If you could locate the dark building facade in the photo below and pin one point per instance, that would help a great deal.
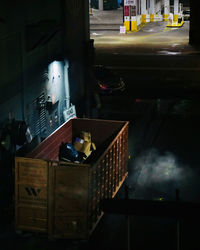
(42, 62)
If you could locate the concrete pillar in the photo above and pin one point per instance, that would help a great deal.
(127, 17)
(66, 82)
(158, 8)
(166, 10)
(100, 4)
(176, 5)
(194, 23)
(86, 20)
(134, 18)
(90, 8)
(144, 11)
(152, 10)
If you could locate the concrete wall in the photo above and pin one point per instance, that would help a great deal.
(194, 23)
(33, 34)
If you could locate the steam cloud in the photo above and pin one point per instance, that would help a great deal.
(155, 175)
(155, 168)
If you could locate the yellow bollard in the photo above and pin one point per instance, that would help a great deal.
(144, 19)
(175, 18)
(133, 24)
(165, 17)
(127, 25)
(152, 18)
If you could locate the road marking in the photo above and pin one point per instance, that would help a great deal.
(166, 29)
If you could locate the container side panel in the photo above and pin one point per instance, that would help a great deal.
(92, 198)
(31, 181)
(114, 166)
(32, 219)
(70, 201)
(107, 175)
(126, 149)
(117, 161)
(32, 194)
(97, 192)
(110, 165)
(71, 227)
(32, 172)
(120, 157)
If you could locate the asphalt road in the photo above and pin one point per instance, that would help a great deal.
(155, 62)
(156, 58)
(150, 38)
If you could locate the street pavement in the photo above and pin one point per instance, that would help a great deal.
(157, 58)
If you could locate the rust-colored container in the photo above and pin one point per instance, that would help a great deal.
(61, 198)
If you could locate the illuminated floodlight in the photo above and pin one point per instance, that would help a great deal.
(54, 67)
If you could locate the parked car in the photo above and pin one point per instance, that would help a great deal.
(107, 80)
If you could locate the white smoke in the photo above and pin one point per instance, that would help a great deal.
(155, 168)
(155, 175)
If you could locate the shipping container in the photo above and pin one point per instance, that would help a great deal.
(60, 198)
